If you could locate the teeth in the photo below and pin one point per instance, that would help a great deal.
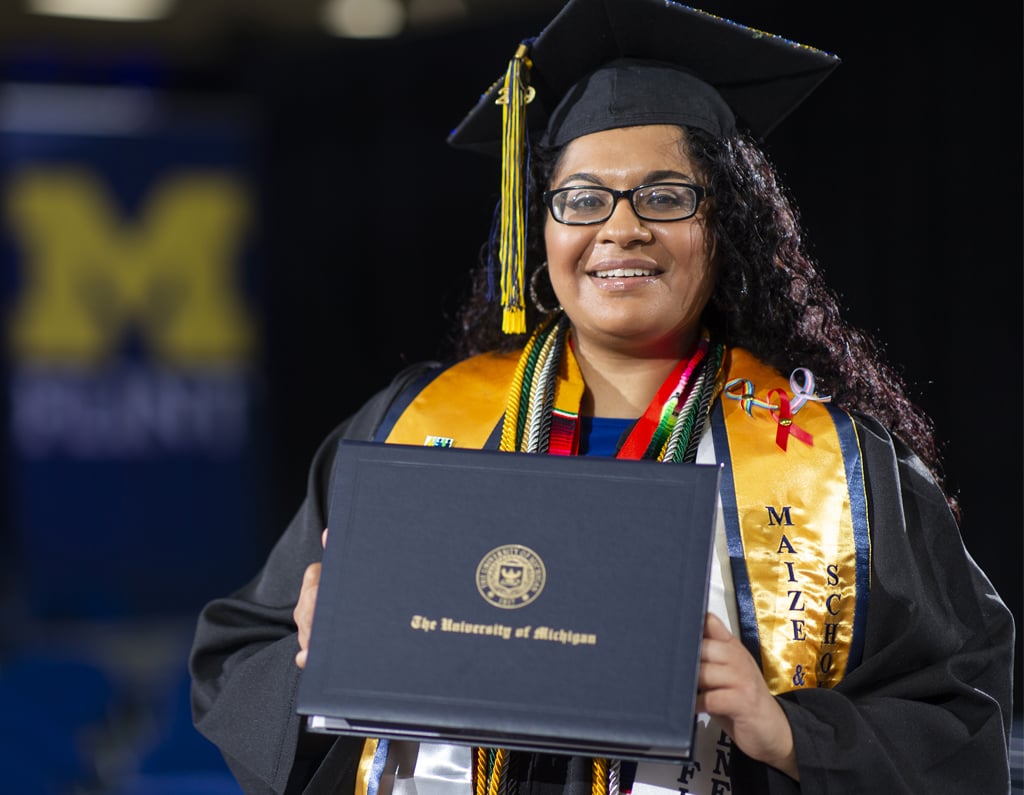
(620, 273)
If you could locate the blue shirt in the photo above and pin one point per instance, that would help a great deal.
(601, 435)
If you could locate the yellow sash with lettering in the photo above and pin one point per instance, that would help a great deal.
(792, 495)
(796, 520)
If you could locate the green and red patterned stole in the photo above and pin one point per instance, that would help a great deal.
(797, 524)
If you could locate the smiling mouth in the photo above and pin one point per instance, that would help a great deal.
(623, 273)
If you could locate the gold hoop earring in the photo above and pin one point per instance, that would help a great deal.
(544, 310)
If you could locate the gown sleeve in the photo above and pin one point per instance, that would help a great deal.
(242, 661)
(929, 708)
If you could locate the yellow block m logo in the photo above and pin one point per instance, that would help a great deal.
(89, 276)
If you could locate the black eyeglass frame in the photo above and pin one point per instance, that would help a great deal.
(700, 193)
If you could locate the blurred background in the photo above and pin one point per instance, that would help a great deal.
(196, 286)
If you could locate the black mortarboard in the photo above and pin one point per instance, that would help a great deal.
(762, 77)
(603, 64)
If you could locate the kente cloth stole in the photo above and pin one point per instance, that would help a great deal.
(795, 509)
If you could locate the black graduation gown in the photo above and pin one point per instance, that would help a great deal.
(927, 711)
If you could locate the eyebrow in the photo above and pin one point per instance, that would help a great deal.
(651, 176)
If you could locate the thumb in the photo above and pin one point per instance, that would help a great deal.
(715, 628)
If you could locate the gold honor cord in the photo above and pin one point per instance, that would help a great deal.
(492, 764)
(480, 756)
(497, 771)
(599, 780)
(488, 775)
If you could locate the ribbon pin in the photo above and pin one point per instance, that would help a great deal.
(802, 392)
(783, 415)
(746, 396)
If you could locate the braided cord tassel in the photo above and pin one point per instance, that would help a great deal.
(531, 357)
(711, 383)
(669, 415)
(506, 784)
(599, 778)
(500, 755)
(517, 406)
(680, 436)
(542, 398)
(512, 235)
(479, 771)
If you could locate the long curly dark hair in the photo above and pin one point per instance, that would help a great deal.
(769, 297)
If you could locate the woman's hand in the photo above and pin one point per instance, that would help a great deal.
(732, 690)
(306, 606)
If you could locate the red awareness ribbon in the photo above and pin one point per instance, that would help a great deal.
(783, 415)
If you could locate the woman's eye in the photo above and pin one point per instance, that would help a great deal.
(586, 200)
(663, 198)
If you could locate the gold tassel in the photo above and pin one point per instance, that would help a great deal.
(514, 96)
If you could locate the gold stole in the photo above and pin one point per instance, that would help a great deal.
(796, 519)
(797, 527)
(461, 406)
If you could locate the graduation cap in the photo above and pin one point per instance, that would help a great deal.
(605, 64)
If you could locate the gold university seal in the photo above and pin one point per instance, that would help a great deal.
(510, 576)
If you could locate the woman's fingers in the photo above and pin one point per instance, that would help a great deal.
(730, 687)
(304, 609)
(305, 606)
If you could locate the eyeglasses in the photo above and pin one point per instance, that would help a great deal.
(660, 201)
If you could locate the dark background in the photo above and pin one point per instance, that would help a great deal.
(906, 165)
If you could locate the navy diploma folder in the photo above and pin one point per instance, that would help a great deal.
(529, 602)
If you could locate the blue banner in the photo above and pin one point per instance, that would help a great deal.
(133, 334)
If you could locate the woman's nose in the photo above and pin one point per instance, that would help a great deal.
(624, 225)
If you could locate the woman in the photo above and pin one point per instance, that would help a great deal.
(851, 644)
